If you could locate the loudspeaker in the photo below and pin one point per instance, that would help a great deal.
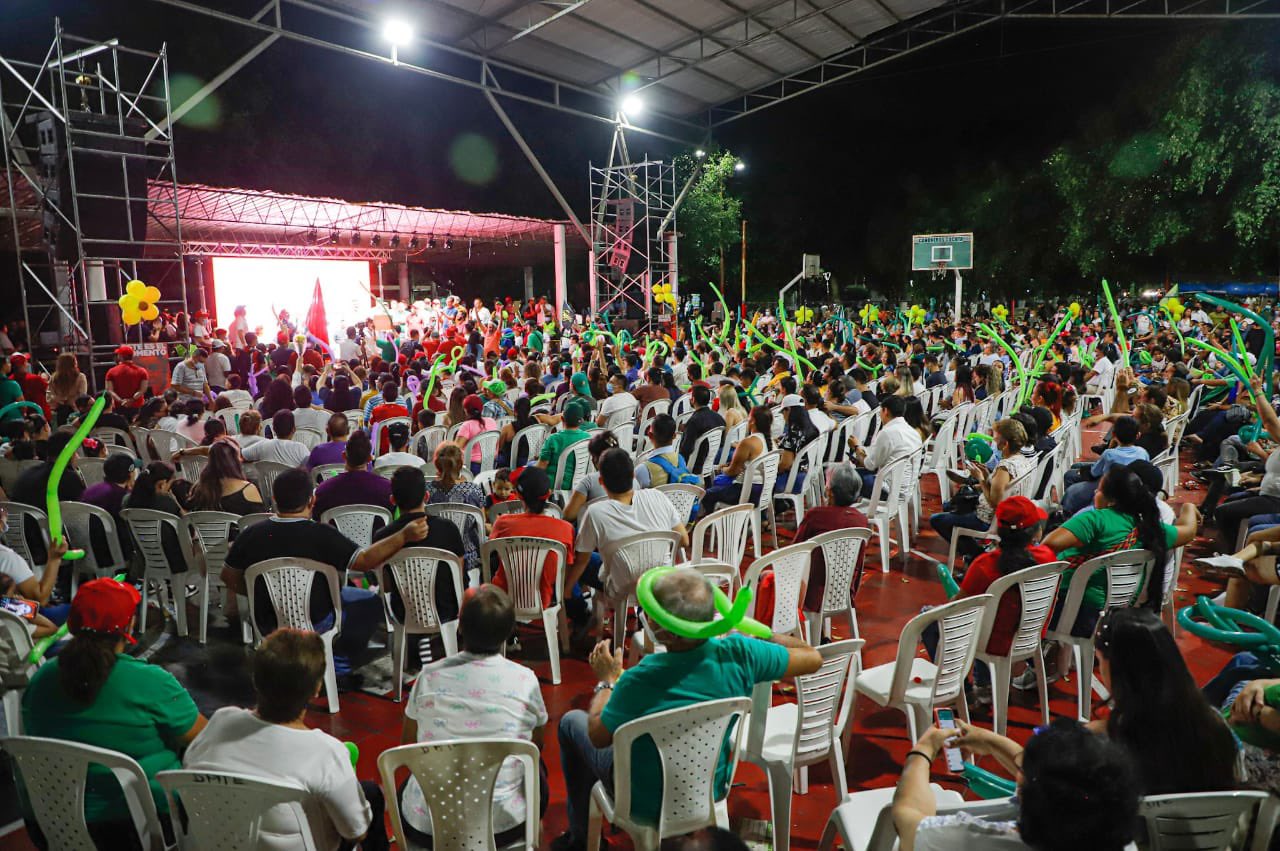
(107, 171)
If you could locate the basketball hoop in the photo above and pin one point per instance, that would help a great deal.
(939, 270)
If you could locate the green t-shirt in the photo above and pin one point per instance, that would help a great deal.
(1101, 530)
(141, 712)
(719, 668)
(386, 350)
(535, 341)
(554, 446)
(10, 392)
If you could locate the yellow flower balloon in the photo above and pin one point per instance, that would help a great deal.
(1075, 308)
(138, 303)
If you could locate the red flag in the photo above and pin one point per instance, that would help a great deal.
(317, 326)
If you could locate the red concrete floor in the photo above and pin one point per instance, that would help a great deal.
(885, 602)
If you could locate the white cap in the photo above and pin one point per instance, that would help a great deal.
(791, 400)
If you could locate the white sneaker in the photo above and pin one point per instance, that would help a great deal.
(1220, 565)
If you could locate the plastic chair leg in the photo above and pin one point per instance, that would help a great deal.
(780, 804)
(594, 824)
(13, 711)
(330, 677)
(398, 642)
(882, 532)
(204, 609)
(999, 670)
(1042, 685)
(838, 779)
(550, 621)
(449, 635)
(179, 593)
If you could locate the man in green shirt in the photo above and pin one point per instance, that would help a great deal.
(386, 350)
(691, 671)
(10, 390)
(535, 340)
(559, 441)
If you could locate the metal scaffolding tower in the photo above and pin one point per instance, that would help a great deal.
(92, 192)
(633, 235)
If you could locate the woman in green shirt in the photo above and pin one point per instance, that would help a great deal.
(96, 694)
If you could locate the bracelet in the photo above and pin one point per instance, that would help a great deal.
(602, 686)
(919, 753)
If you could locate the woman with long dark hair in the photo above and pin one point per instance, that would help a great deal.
(726, 487)
(223, 486)
(523, 419)
(1178, 740)
(964, 387)
(278, 397)
(798, 431)
(341, 397)
(95, 694)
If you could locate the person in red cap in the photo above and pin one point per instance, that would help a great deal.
(534, 487)
(34, 387)
(127, 383)
(1019, 525)
(96, 694)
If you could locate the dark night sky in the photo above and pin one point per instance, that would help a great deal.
(820, 168)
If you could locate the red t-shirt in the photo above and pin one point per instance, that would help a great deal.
(537, 526)
(978, 578)
(126, 379)
(36, 389)
(386, 411)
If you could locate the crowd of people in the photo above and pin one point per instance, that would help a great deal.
(440, 408)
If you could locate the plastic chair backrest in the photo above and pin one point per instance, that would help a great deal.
(248, 520)
(457, 777)
(230, 418)
(638, 553)
(576, 459)
(838, 443)
(842, 551)
(683, 497)
(822, 703)
(790, 565)
(288, 582)
(944, 444)
(861, 427)
(886, 492)
(959, 623)
(762, 471)
(706, 447)
(77, 520)
(265, 474)
(523, 559)
(375, 435)
(528, 443)
(357, 522)
(1037, 587)
(732, 437)
(355, 417)
(323, 472)
(806, 461)
(146, 526)
(1201, 821)
(414, 570)
(651, 410)
(114, 437)
(727, 529)
(225, 811)
(1126, 571)
(166, 443)
(1025, 484)
(308, 437)
(487, 442)
(17, 646)
(682, 405)
(463, 515)
(92, 470)
(429, 438)
(54, 773)
(213, 531)
(15, 535)
(689, 741)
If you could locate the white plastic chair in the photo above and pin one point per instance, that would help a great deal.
(683, 497)
(264, 474)
(625, 561)
(375, 435)
(206, 537)
(689, 741)
(1024, 485)
(323, 472)
(308, 437)
(808, 462)
(572, 465)
(941, 452)
(167, 443)
(882, 507)
(92, 470)
(114, 437)
(1127, 572)
(1208, 821)
(706, 447)
(414, 570)
(55, 773)
(357, 522)
(1037, 588)
(762, 471)
(457, 777)
(725, 532)
(523, 560)
(355, 417)
(77, 521)
(790, 566)
(732, 437)
(487, 443)
(842, 554)
(792, 736)
(865, 821)
(527, 443)
(288, 582)
(225, 810)
(15, 535)
(469, 520)
(147, 528)
(915, 685)
(651, 410)
(16, 639)
(424, 441)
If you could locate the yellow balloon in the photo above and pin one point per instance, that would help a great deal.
(150, 312)
(131, 316)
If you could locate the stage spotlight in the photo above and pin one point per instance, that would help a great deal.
(739, 166)
(397, 32)
(632, 105)
(699, 154)
(355, 237)
(414, 242)
(395, 241)
(334, 236)
(376, 241)
(313, 236)
(431, 242)
(448, 243)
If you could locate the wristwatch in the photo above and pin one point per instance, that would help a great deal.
(601, 686)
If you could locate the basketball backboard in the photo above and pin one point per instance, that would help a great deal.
(934, 251)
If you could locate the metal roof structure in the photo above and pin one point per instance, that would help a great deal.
(699, 64)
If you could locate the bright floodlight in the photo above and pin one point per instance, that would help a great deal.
(699, 153)
(398, 32)
(633, 105)
(739, 165)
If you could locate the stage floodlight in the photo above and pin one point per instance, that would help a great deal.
(355, 237)
(397, 32)
(414, 242)
(334, 237)
(699, 154)
(431, 242)
(376, 241)
(739, 166)
(632, 105)
(448, 243)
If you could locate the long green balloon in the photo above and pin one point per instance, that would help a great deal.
(724, 329)
(949, 586)
(1266, 364)
(732, 616)
(13, 406)
(771, 344)
(986, 785)
(39, 648)
(60, 466)
(1115, 317)
(1023, 379)
(1232, 364)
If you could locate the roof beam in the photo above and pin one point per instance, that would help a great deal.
(672, 18)
(749, 18)
(567, 10)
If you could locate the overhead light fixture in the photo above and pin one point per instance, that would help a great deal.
(395, 241)
(699, 154)
(632, 105)
(313, 236)
(431, 242)
(334, 237)
(414, 242)
(739, 166)
(448, 243)
(355, 237)
(376, 241)
(398, 34)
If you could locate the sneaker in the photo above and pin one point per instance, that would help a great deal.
(1026, 681)
(1228, 566)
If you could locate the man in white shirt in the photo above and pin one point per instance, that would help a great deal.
(478, 694)
(279, 448)
(190, 377)
(621, 407)
(813, 405)
(398, 436)
(349, 349)
(217, 365)
(274, 742)
(627, 512)
(894, 439)
(1199, 316)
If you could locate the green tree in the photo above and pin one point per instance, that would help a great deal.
(709, 218)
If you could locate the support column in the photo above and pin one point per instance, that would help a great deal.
(673, 262)
(562, 272)
(402, 275)
(200, 283)
(593, 284)
(528, 284)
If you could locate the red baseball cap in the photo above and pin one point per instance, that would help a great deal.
(472, 404)
(17, 359)
(104, 606)
(1018, 512)
(125, 352)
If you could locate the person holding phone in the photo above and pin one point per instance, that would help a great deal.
(15, 571)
